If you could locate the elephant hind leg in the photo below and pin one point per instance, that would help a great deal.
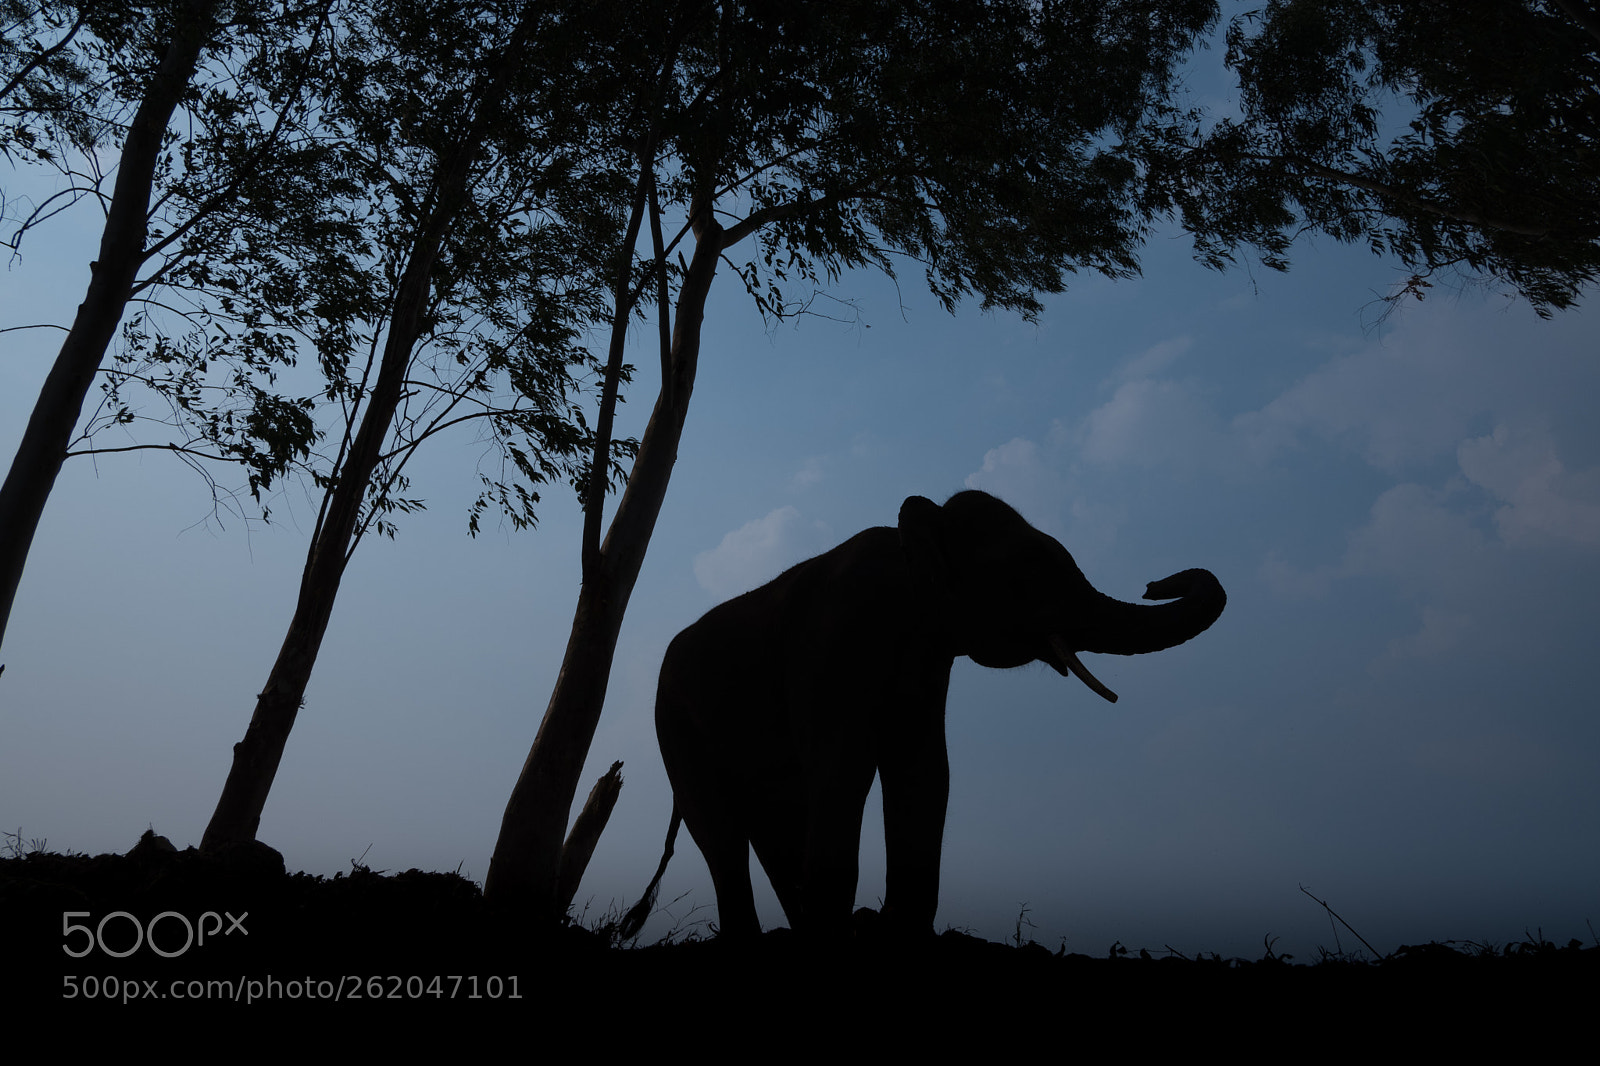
(726, 848)
(779, 843)
(715, 814)
(729, 861)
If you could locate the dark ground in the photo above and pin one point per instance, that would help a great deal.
(371, 952)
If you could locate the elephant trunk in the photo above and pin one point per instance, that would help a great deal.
(1118, 628)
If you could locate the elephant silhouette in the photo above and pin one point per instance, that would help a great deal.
(776, 709)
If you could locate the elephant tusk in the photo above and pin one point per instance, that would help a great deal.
(1089, 679)
(1070, 659)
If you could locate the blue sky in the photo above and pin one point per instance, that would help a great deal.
(1395, 711)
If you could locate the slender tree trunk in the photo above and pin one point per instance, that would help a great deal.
(524, 869)
(112, 276)
(256, 757)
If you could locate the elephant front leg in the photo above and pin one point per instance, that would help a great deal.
(916, 791)
(833, 845)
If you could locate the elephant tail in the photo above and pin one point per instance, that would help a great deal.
(634, 920)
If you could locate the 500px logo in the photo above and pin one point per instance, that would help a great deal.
(194, 933)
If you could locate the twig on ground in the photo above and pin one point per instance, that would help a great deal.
(1375, 952)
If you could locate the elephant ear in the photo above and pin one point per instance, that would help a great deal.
(922, 538)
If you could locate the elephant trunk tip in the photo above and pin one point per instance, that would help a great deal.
(1195, 600)
(1186, 583)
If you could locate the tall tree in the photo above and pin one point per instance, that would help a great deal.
(996, 146)
(470, 145)
(218, 202)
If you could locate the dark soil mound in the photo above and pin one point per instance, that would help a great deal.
(217, 940)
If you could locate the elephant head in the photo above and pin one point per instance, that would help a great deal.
(1007, 594)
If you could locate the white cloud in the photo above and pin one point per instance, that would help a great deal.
(1018, 473)
(1292, 583)
(1150, 420)
(1042, 486)
(1409, 404)
(759, 551)
(1094, 527)
(1430, 541)
(1412, 396)
(809, 474)
(1413, 537)
(1388, 404)
(1154, 359)
(1539, 498)
(1441, 631)
(1016, 453)
(1150, 423)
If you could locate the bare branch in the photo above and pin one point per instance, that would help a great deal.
(174, 448)
(38, 325)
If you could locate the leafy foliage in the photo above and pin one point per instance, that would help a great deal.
(305, 155)
(518, 277)
(998, 146)
(1454, 136)
(51, 58)
(237, 238)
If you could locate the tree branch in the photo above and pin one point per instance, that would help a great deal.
(177, 448)
(1411, 199)
(756, 219)
(38, 325)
